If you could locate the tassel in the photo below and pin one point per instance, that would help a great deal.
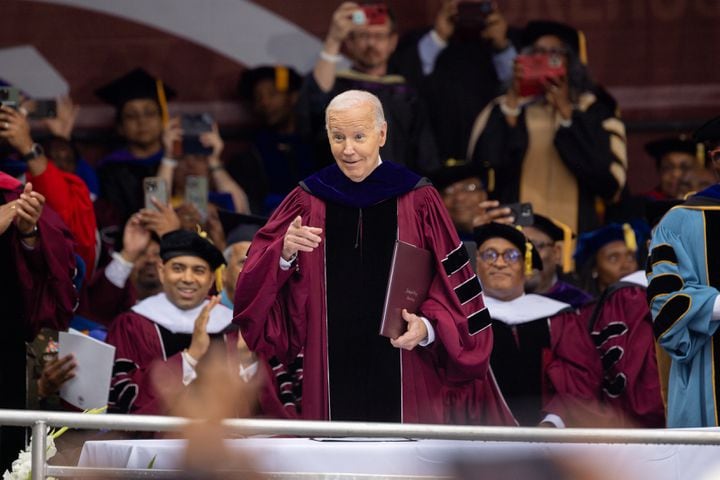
(582, 47)
(630, 239)
(219, 279)
(491, 180)
(282, 79)
(700, 154)
(528, 253)
(567, 249)
(528, 259)
(162, 100)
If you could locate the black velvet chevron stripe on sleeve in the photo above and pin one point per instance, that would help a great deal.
(673, 310)
(663, 253)
(663, 284)
(478, 321)
(468, 290)
(455, 260)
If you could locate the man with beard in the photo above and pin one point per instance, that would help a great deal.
(174, 326)
(130, 276)
(368, 42)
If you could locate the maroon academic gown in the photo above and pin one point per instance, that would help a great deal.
(614, 379)
(280, 312)
(36, 291)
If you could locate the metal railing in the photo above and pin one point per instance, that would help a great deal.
(41, 420)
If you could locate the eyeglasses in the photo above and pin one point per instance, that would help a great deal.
(467, 188)
(714, 155)
(491, 255)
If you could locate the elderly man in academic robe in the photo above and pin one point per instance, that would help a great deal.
(529, 330)
(174, 326)
(316, 279)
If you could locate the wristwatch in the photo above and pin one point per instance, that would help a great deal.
(35, 151)
(32, 233)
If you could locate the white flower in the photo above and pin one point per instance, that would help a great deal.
(21, 468)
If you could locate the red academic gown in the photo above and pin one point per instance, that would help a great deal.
(614, 379)
(68, 195)
(280, 312)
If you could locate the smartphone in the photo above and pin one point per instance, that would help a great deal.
(538, 69)
(42, 108)
(194, 125)
(473, 14)
(523, 213)
(371, 14)
(154, 187)
(10, 97)
(196, 193)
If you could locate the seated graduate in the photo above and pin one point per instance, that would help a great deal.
(606, 255)
(553, 241)
(316, 278)
(526, 326)
(141, 110)
(174, 327)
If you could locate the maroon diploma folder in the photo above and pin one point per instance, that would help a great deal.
(411, 273)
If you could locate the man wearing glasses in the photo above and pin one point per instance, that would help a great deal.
(368, 36)
(684, 296)
(525, 329)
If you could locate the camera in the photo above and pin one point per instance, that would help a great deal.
(10, 97)
(42, 108)
(523, 213)
(538, 69)
(371, 14)
(154, 187)
(194, 125)
(473, 14)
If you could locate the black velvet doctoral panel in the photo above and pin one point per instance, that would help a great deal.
(364, 368)
(517, 360)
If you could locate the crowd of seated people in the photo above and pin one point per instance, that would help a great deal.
(129, 249)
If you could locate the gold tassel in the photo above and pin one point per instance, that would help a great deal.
(528, 259)
(567, 249)
(219, 278)
(528, 253)
(491, 180)
(162, 100)
(282, 78)
(582, 47)
(700, 154)
(630, 239)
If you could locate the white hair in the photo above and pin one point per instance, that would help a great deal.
(351, 99)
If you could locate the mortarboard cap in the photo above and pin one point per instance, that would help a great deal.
(183, 242)
(134, 85)
(573, 38)
(513, 235)
(286, 79)
(453, 171)
(633, 233)
(558, 232)
(661, 147)
(709, 132)
(239, 227)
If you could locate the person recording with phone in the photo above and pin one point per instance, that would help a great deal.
(65, 192)
(367, 34)
(554, 127)
(459, 65)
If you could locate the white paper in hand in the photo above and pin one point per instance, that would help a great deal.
(94, 359)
